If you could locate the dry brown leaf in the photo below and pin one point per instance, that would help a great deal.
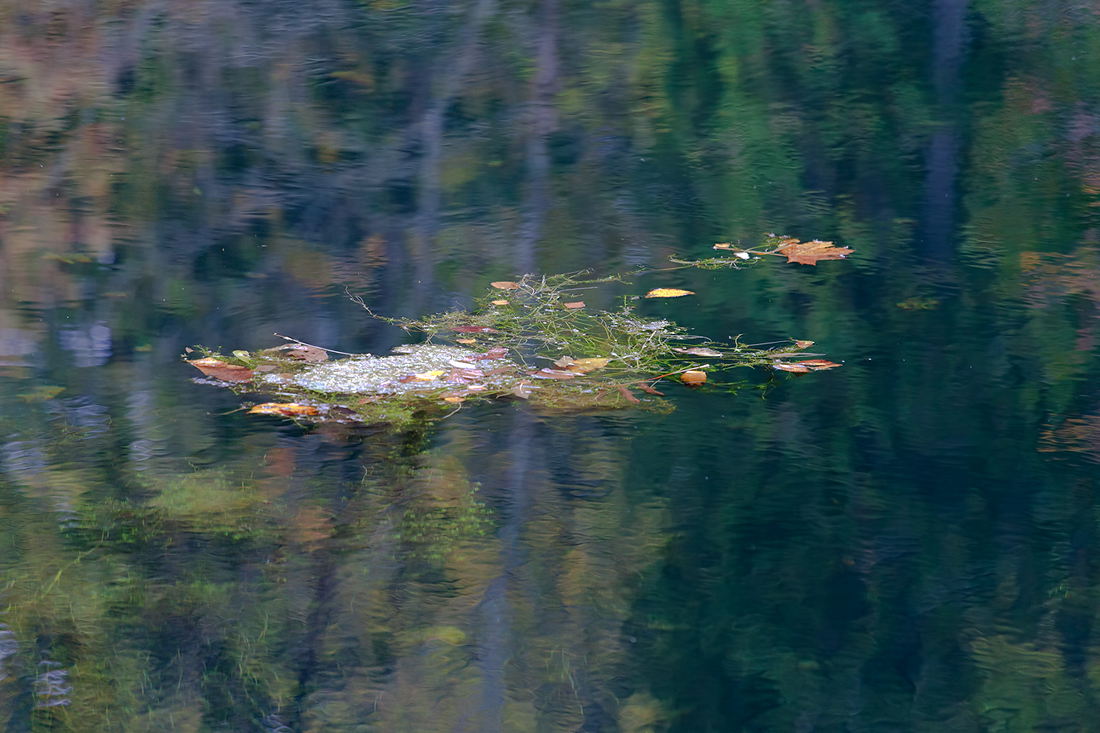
(693, 378)
(499, 302)
(793, 368)
(584, 366)
(648, 389)
(668, 293)
(574, 306)
(564, 362)
(819, 365)
(809, 253)
(553, 374)
(303, 352)
(466, 341)
(522, 390)
(505, 285)
(803, 344)
(221, 370)
(284, 409)
(497, 352)
(629, 397)
(697, 351)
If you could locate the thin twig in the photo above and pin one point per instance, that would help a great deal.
(322, 348)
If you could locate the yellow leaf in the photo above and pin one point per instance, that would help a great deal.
(584, 366)
(466, 341)
(429, 376)
(499, 302)
(668, 293)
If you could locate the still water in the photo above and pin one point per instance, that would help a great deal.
(909, 542)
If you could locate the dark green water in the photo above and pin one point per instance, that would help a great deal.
(907, 543)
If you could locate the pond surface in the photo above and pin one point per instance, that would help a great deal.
(909, 542)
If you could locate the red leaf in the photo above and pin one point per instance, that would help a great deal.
(629, 397)
(221, 370)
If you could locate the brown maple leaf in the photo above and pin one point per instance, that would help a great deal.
(808, 253)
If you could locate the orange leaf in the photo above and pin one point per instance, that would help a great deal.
(505, 285)
(466, 341)
(222, 370)
(668, 293)
(809, 253)
(803, 344)
(574, 306)
(648, 389)
(693, 378)
(285, 409)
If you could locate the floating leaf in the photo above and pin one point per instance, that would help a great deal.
(564, 362)
(505, 285)
(523, 390)
(475, 329)
(818, 365)
(466, 341)
(648, 389)
(429, 376)
(307, 353)
(285, 409)
(240, 354)
(221, 370)
(499, 302)
(693, 378)
(584, 366)
(629, 397)
(497, 352)
(793, 368)
(574, 306)
(803, 344)
(668, 293)
(553, 374)
(453, 400)
(723, 245)
(809, 253)
(461, 364)
(697, 351)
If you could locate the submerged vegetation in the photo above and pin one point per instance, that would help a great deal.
(531, 339)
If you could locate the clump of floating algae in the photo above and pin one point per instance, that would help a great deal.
(513, 344)
(383, 375)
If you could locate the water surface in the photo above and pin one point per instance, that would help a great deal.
(906, 543)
